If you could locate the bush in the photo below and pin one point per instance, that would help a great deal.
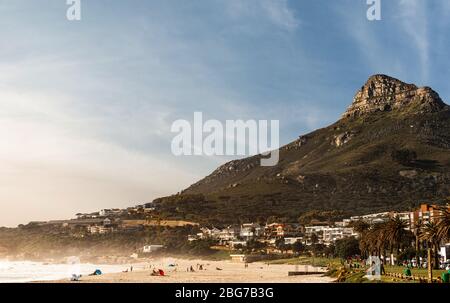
(347, 247)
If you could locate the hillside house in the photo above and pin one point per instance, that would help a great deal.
(373, 218)
(250, 231)
(228, 234)
(110, 212)
(282, 230)
(99, 229)
(151, 248)
(332, 234)
(292, 240)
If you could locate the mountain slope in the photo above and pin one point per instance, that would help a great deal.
(390, 150)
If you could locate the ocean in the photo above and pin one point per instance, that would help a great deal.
(28, 271)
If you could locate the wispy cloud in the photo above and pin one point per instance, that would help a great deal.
(86, 108)
(277, 12)
(369, 44)
(413, 19)
(55, 157)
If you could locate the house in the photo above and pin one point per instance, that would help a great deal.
(196, 237)
(406, 217)
(445, 252)
(150, 206)
(332, 234)
(214, 233)
(228, 234)
(81, 216)
(224, 236)
(314, 230)
(425, 214)
(292, 240)
(343, 223)
(373, 218)
(110, 212)
(98, 229)
(151, 248)
(105, 212)
(282, 230)
(250, 231)
(210, 232)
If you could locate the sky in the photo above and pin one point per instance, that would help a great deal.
(86, 106)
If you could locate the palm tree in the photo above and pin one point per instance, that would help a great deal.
(431, 236)
(372, 240)
(363, 229)
(360, 226)
(396, 232)
(382, 239)
(378, 239)
(443, 225)
(417, 233)
(364, 245)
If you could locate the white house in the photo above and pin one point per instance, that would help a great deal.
(151, 248)
(332, 234)
(228, 234)
(98, 229)
(373, 218)
(110, 212)
(309, 230)
(445, 252)
(292, 240)
(251, 230)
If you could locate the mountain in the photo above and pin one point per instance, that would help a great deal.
(390, 150)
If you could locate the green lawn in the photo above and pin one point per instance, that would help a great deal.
(358, 275)
(322, 262)
(420, 272)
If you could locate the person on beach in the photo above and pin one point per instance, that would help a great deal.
(155, 273)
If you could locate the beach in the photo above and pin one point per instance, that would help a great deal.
(178, 271)
(30, 271)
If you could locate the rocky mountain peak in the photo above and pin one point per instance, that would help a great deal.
(384, 93)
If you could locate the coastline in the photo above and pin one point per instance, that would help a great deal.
(213, 272)
(25, 271)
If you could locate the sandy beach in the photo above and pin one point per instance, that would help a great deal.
(176, 271)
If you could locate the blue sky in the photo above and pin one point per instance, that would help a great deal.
(86, 107)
